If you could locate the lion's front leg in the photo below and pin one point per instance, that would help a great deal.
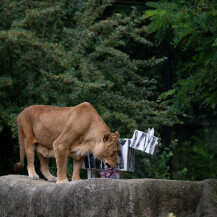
(61, 154)
(77, 169)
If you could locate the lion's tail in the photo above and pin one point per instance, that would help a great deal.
(18, 167)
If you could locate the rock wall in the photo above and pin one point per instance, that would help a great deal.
(21, 196)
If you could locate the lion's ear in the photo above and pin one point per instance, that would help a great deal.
(117, 134)
(107, 137)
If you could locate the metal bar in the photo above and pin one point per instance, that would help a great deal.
(89, 174)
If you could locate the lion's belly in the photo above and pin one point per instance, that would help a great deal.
(46, 136)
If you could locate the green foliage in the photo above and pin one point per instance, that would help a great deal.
(198, 155)
(86, 64)
(192, 27)
(66, 52)
(165, 95)
(158, 166)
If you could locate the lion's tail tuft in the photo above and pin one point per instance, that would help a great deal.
(18, 167)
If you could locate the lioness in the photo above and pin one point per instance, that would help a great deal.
(61, 132)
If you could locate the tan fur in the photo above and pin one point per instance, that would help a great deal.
(61, 132)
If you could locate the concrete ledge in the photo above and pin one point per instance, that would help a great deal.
(21, 196)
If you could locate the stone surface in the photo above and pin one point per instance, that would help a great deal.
(21, 196)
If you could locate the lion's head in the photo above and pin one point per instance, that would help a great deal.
(109, 150)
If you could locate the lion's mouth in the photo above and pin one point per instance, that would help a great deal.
(107, 166)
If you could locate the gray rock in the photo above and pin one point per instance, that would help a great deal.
(21, 196)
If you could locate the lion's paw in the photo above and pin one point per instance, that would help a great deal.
(52, 179)
(34, 176)
(75, 181)
(62, 181)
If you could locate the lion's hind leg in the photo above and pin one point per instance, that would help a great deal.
(29, 149)
(29, 146)
(44, 154)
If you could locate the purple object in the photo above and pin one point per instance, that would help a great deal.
(109, 173)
